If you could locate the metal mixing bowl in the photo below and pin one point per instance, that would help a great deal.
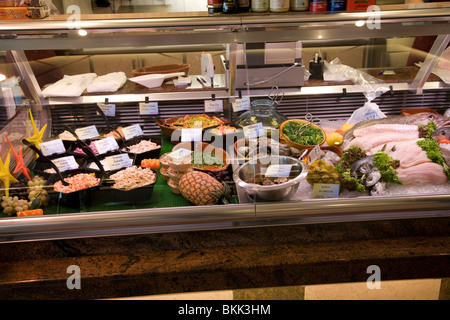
(245, 174)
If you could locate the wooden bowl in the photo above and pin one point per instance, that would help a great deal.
(167, 127)
(287, 141)
(167, 68)
(209, 148)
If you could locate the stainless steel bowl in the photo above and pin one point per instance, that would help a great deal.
(245, 174)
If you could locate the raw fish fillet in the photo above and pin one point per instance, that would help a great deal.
(428, 172)
(370, 141)
(408, 152)
(386, 128)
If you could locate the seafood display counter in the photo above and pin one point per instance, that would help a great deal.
(163, 164)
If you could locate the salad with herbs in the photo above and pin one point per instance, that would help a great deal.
(207, 161)
(302, 133)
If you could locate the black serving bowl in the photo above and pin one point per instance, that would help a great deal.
(138, 157)
(106, 194)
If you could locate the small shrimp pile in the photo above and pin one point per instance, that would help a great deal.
(78, 182)
(133, 177)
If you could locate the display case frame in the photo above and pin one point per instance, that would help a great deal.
(216, 30)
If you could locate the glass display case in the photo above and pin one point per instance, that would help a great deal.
(167, 153)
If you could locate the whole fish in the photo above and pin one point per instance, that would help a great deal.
(413, 119)
(441, 133)
(362, 166)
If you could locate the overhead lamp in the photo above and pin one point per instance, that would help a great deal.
(82, 32)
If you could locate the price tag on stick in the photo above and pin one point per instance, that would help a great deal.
(213, 106)
(87, 132)
(132, 131)
(108, 109)
(106, 144)
(118, 161)
(254, 130)
(66, 163)
(241, 104)
(148, 108)
(52, 147)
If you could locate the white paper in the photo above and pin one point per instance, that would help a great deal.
(325, 190)
(254, 130)
(118, 161)
(108, 109)
(148, 108)
(278, 170)
(132, 131)
(214, 105)
(52, 147)
(88, 132)
(69, 86)
(180, 154)
(106, 144)
(65, 163)
(242, 104)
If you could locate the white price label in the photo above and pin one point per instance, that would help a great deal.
(108, 109)
(254, 130)
(325, 190)
(65, 163)
(192, 134)
(106, 144)
(314, 154)
(148, 108)
(118, 161)
(213, 105)
(278, 170)
(180, 154)
(52, 147)
(242, 104)
(87, 132)
(132, 131)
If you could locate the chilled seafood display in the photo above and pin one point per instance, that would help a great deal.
(370, 158)
(413, 119)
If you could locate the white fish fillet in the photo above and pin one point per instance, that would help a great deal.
(370, 141)
(428, 172)
(408, 152)
(386, 128)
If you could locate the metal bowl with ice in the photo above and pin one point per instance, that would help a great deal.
(271, 178)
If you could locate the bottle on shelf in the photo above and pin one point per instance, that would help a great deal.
(279, 5)
(214, 6)
(336, 5)
(318, 5)
(229, 6)
(260, 5)
(299, 5)
(243, 5)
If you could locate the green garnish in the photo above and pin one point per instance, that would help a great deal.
(354, 153)
(431, 147)
(350, 183)
(302, 133)
(425, 131)
(386, 165)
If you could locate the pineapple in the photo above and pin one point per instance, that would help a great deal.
(202, 189)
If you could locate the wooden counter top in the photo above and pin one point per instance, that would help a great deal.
(177, 262)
